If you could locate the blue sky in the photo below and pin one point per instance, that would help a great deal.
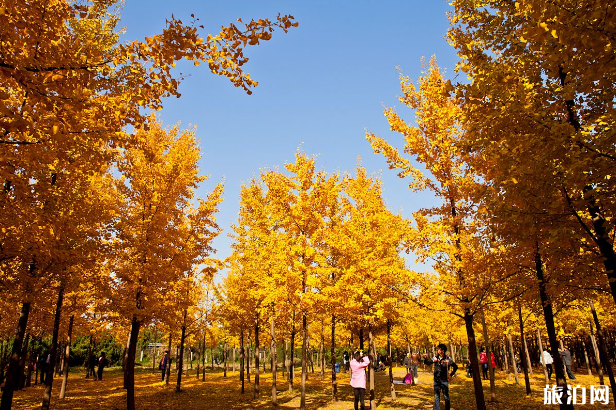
(320, 87)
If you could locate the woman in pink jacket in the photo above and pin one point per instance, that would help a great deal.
(358, 377)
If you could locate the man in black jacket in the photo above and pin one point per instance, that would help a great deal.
(444, 369)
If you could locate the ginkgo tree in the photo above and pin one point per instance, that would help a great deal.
(369, 241)
(161, 237)
(539, 104)
(445, 233)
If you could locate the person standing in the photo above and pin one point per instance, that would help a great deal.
(444, 369)
(547, 360)
(493, 358)
(358, 378)
(407, 363)
(565, 355)
(102, 363)
(483, 359)
(164, 362)
(414, 363)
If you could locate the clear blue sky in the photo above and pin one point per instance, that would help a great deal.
(320, 86)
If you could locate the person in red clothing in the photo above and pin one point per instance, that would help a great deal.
(483, 359)
(493, 360)
(358, 377)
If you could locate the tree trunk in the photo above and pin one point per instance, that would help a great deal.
(472, 352)
(489, 353)
(302, 404)
(248, 359)
(333, 358)
(523, 357)
(506, 361)
(53, 351)
(545, 369)
(586, 358)
(603, 240)
(371, 367)
(603, 350)
(67, 353)
(242, 358)
(274, 357)
(284, 358)
(224, 358)
(549, 321)
(178, 384)
(88, 365)
(322, 355)
(12, 376)
(514, 363)
(597, 357)
(256, 383)
(22, 362)
(361, 339)
(130, 363)
(168, 368)
(530, 365)
(391, 362)
(203, 359)
(292, 358)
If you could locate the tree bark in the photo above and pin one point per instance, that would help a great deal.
(472, 352)
(168, 368)
(224, 358)
(545, 369)
(256, 383)
(242, 357)
(506, 361)
(602, 239)
(67, 353)
(178, 384)
(274, 357)
(292, 358)
(130, 363)
(391, 362)
(12, 376)
(586, 358)
(203, 359)
(53, 351)
(302, 404)
(371, 367)
(530, 365)
(333, 358)
(603, 350)
(513, 361)
(489, 353)
(525, 363)
(597, 357)
(548, 314)
(322, 355)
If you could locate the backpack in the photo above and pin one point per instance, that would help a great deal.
(408, 379)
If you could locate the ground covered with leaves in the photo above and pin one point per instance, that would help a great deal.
(220, 393)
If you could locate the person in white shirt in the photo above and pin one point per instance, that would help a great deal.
(547, 360)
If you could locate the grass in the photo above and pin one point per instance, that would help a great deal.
(220, 393)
